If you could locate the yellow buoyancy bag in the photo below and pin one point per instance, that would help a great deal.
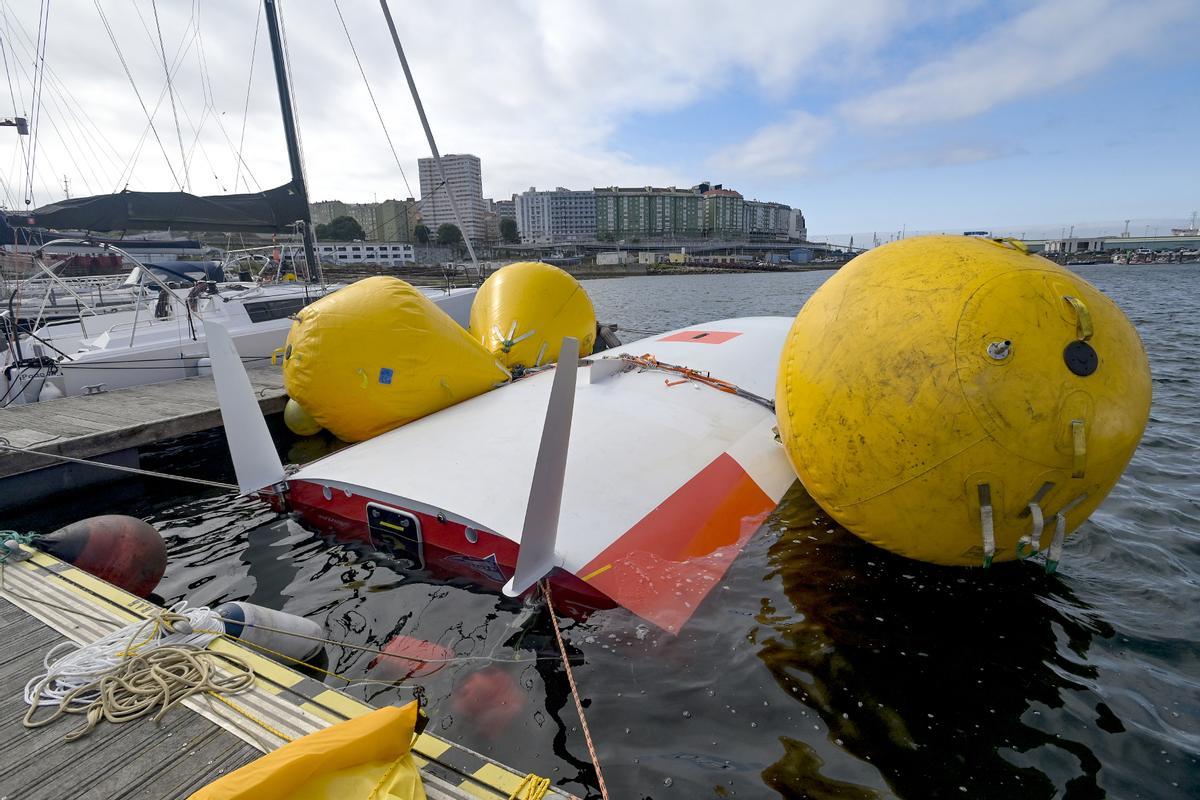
(377, 354)
(955, 399)
(523, 311)
(364, 758)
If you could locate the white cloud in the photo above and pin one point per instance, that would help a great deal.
(784, 149)
(951, 155)
(536, 89)
(1051, 44)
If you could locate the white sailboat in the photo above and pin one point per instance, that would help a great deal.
(162, 338)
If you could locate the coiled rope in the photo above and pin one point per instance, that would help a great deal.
(10, 546)
(129, 673)
(533, 787)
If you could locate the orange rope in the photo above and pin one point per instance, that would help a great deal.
(587, 734)
(650, 362)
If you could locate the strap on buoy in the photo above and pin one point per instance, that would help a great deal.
(1083, 318)
(987, 523)
(1054, 555)
(1028, 544)
(1078, 448)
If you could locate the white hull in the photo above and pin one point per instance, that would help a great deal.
(133, 347)
(666, 478)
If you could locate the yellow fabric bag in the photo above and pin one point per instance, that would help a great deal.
(366, 758)
(378, 354)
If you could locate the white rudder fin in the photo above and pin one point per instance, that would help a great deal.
(536, 558)
(254, 458)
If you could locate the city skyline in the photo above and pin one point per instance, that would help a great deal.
(889, 116)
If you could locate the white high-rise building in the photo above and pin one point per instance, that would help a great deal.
(465, 179)
(562, 215)
(765, 220)
(797, 230)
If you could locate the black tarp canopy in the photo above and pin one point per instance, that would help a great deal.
(273, 211)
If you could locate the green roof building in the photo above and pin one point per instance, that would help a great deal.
(648, 213)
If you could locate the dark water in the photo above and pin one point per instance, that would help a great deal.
(821, 667)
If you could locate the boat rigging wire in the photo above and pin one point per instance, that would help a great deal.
(93, 138)
(437, 158)
(11, 93)
(354, 51)
(39, 62)
(162, 48)
(246, 106)
(149, 118)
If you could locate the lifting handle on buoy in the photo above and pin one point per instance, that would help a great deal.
(1083, 318)
(1078, 448)
(987, 524)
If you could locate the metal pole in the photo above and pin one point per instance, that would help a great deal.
(437, 158)
(289, 131)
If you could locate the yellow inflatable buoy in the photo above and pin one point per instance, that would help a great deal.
(523, 311)
(299, 421)
(956, 400)
(377, 354)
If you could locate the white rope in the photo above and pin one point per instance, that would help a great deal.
(69, 667)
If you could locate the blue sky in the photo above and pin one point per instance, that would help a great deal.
(1018, 116)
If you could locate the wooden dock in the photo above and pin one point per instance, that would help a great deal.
(49, 601)
(120, 421)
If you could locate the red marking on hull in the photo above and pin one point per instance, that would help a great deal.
(702, 337)
(489, 561)
(667, 563)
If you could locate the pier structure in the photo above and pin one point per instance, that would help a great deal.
(46, 602)
(111, 427)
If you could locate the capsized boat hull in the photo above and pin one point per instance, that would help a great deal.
(667, 478)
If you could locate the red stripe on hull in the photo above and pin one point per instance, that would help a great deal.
(448, 552)
(667, 563)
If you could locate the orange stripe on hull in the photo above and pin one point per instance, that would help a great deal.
(665, 565)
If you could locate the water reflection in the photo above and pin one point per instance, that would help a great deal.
(820, 667)
(934, 675)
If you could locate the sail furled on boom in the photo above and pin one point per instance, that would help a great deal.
(272, 211)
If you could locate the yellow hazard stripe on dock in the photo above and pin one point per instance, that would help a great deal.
(284, 704)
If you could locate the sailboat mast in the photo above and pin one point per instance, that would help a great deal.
(289, 132)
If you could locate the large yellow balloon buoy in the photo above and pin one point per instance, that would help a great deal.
(955, 399)
(377, 354)
(523, 311)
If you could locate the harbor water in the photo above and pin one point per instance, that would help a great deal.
(820, 666)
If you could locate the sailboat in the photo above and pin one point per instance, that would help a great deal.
(144, 345)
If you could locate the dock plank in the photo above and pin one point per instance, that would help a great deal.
(196, 742)
(95, 425)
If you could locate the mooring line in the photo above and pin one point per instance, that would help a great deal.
(147, 473)
(587, 734)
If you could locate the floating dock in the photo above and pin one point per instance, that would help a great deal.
(110, 427)
(49, 601)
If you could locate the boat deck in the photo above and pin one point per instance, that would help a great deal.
(97, 425)
(49, 601)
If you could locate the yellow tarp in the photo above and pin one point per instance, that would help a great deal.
(366, 758)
